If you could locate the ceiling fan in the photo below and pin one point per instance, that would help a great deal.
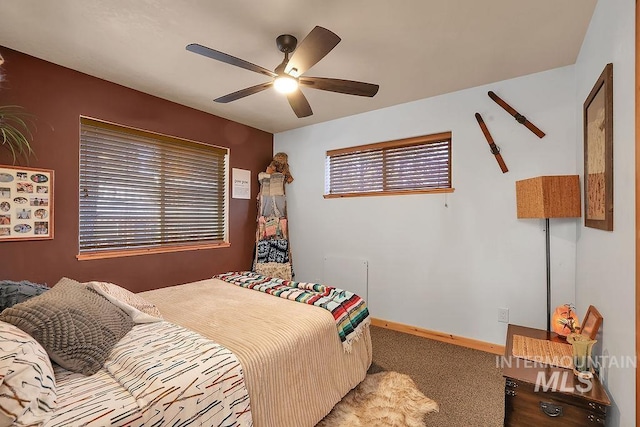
(288, 76)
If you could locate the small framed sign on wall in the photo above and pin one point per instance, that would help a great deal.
(26, 203)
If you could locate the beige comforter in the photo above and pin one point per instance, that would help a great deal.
(294, 364)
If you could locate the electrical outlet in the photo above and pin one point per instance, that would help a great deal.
(503, 315)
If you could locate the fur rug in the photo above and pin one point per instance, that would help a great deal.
(385, 399)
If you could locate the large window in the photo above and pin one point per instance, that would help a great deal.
(142, 192)
(413, 165)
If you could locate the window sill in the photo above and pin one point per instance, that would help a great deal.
(390, 193)
(134, 252)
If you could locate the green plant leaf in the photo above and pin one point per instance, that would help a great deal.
(15, 127)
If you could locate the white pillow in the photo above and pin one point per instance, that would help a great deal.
(140, 310)
(27, 383)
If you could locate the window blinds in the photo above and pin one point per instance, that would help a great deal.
(142, 190)
(421, 163)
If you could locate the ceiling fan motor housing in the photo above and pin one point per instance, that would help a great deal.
(286, 43)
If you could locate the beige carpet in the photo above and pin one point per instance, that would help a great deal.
(467, 384)
(384, 399)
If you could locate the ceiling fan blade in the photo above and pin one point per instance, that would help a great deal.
(313, 48)
(244, 92)
(228, 59)
(349, 87)
(299, 104)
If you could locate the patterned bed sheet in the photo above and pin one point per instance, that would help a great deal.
(159, 374)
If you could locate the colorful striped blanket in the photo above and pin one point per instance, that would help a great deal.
(349, 311)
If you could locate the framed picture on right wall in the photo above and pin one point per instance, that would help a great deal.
(598, 153)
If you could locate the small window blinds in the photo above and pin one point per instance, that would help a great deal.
(420, 164)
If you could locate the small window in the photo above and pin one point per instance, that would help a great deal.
(406, 166)
(142, 192)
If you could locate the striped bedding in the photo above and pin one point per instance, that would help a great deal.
(159, 374)
(293, 361)
(349, 311)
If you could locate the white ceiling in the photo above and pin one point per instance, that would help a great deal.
(413, 49)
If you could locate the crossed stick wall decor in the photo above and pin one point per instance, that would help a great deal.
(495, 150)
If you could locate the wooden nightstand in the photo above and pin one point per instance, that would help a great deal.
(539, 395)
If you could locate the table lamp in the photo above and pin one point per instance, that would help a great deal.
(547, 197)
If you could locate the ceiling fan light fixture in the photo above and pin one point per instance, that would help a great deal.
(285, 84)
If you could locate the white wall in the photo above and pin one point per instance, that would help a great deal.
(446, 262)
(605, 275)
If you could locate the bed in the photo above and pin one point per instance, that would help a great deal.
(221, 356)
(295, 366)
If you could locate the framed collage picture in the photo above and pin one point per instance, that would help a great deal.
(26, 203)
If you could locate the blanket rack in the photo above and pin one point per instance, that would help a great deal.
(273, 249)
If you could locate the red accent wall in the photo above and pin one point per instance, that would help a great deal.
(57, 96)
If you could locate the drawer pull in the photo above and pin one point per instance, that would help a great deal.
(597, 407)
(595, 419)
(550, 409)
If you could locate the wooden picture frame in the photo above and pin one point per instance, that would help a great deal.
(591, 323)
(26, 203)
(598, 153)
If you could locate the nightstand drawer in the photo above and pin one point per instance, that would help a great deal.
(525, 407)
